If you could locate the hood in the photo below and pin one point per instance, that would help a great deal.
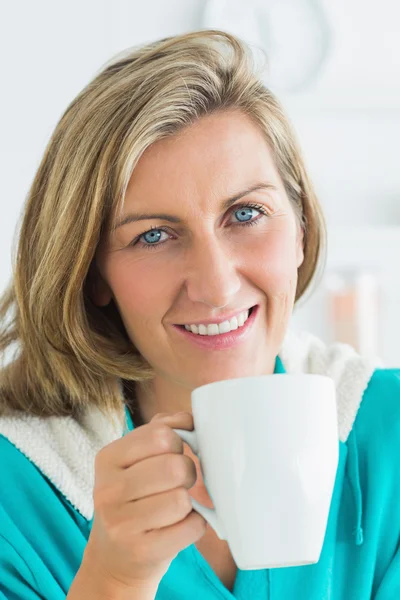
(64, 448)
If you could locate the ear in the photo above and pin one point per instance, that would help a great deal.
(100, 291)
(300, 246)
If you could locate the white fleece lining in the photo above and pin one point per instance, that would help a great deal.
(64, 448)
(351, 373)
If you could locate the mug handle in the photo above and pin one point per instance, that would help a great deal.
(209, 514)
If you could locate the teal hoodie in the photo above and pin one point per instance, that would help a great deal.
(43, 534)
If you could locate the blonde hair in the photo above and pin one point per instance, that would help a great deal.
(69, 351)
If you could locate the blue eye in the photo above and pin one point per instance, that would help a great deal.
(242, 211)
(151, 238)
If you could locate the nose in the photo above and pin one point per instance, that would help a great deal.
(211, 275)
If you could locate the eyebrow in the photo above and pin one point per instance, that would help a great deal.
(133, 217)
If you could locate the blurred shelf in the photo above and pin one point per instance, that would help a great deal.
(362, 250)
(366, 246)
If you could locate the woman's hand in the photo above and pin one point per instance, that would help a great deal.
(142, 508)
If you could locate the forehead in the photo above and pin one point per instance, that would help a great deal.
(217, 154)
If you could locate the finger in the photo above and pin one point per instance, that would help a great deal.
(170, 540)
(158, 474)
(185, 419)
(156, 437)
(155, 512)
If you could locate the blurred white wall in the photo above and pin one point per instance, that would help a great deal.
(348, 119)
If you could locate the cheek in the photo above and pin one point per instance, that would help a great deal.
(139, 286)
(275, 262)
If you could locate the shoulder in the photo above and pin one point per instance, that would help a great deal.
(380, 406)
(377, 425)
(23, 485)
(17, 469)
(32, 509)
(28, 495)
(41, 537)
(60, 450)
(22, 494)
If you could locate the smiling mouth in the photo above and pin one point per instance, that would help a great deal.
(250, 311)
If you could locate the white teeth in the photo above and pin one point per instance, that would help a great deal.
(241, 319)
(212, 329)
(223, 327)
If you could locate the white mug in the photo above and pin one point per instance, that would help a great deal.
(268, 448)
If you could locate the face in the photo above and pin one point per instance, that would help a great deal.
(210, 261)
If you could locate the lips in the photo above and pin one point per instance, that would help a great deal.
(222, 341)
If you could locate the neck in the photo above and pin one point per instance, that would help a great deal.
(167, 396)
(153, 398)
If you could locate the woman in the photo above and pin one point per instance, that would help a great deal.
(171, 198)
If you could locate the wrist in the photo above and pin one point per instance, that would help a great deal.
(92, 583)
